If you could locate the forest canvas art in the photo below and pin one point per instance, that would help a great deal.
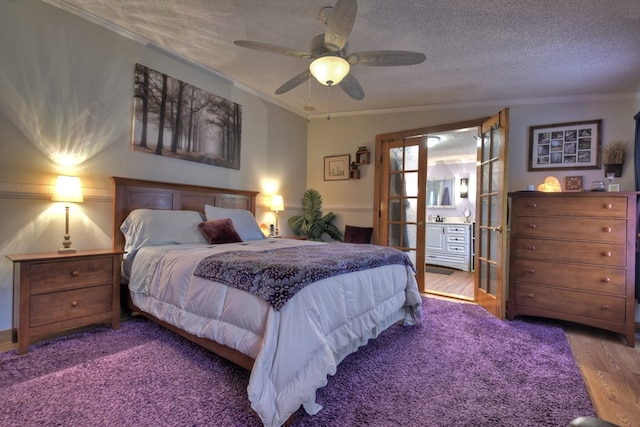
(175, 119)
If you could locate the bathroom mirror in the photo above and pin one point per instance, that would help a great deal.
(440, 193)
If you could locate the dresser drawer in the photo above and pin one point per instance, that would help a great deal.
(65, 305)
(606, 254)
(606, 206)
(595, 306)
(593, 229)
(576, 276)
(71, 274)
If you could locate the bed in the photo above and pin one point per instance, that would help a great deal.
(291, 337)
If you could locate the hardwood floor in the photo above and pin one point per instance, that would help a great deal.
(458, 284)
(611, 371)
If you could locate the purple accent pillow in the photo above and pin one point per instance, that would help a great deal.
(219, 231)
(354, 234)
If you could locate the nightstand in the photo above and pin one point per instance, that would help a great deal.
(53, 292)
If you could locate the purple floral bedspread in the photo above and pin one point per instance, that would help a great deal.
(277, 275)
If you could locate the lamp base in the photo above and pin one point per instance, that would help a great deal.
(66, 245)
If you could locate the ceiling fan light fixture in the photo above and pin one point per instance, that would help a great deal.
(329, 70)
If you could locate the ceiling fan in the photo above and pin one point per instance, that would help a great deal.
(331, 64)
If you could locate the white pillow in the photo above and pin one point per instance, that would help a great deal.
(243, 221)
(151, 227)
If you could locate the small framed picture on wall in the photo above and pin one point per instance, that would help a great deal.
(337, 167)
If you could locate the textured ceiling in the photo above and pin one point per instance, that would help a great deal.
(477, 50)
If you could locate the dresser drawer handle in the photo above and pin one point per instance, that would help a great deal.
(531, 271)
(531, 247)
(608, 206)
(530, 296)
(605, 306)
(533, 205)
(606, 279)
(74, 303)
(606, 229)
(75, 273)
(533, 226)
(606, 253)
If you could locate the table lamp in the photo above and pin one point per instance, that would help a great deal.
(277, 204)
(67, 190)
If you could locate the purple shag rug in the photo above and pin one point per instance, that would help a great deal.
(462, 367)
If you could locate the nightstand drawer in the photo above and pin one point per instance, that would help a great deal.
(71, 274)
(58, 306)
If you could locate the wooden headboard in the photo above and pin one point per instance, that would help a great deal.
(130, 194)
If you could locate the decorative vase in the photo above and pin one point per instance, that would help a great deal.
(616, 168)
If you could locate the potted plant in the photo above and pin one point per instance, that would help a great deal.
(312, 224)
(613, 157)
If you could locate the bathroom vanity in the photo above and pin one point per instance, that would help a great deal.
(449, 244)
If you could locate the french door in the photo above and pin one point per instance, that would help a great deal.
(491, 215)
(400, 201)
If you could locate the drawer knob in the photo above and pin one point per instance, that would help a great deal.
(606, 229)
(531, 271)
(608, 206)
(606, 253)
(533, 226)
(529, 295)
(75, 273)
(74, 303)
(606, 279)
(533, 205)
(531, 247)
(605, 306)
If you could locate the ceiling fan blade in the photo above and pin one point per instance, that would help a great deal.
(352, 87)
(386, 58)
(267, 47)
(340, 24)
(294, 82)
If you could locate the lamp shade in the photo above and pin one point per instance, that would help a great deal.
(329, 70)
(68, 189)
(277, 204)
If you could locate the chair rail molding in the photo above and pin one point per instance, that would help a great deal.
(12, 190)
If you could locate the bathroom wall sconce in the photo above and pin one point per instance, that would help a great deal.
(464, 188)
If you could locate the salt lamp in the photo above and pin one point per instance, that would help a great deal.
(550, 185)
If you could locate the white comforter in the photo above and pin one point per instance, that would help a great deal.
(294, 349)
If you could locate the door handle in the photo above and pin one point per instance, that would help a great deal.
(498, 229)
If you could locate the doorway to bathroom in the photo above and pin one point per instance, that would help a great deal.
(456, 222)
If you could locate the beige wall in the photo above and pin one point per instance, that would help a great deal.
(66, 85)
(352, 200)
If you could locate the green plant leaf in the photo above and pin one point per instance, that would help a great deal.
(312, 224)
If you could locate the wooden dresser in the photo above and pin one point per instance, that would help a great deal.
(53, 292)
(572, 257)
